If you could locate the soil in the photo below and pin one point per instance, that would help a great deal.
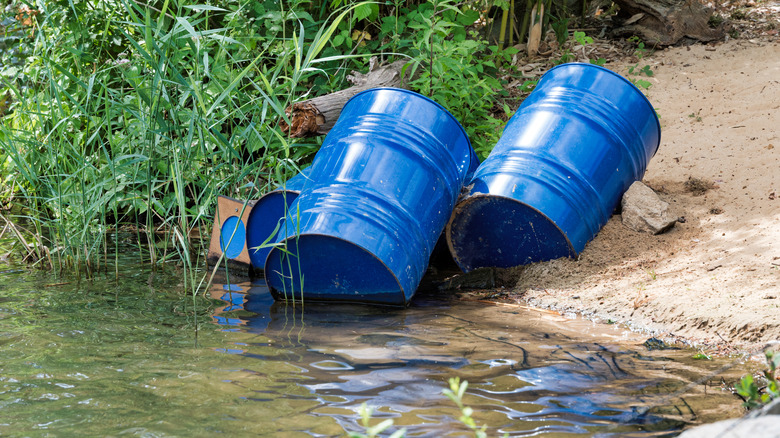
(713, 280)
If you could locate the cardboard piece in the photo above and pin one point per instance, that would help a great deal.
(228, 208)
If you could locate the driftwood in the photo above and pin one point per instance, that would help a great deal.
(535, 33)
(666, 22)
(318, 115)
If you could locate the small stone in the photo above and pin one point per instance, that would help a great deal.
(644, 211)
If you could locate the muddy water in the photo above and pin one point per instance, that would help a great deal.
(137, 357)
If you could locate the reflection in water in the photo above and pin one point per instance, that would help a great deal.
(134, 355)
(528, 375)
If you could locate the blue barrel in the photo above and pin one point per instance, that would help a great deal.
(381, 190)
(575, 145)
(266, 218)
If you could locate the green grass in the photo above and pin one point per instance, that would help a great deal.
(125, 115)
(131, 115)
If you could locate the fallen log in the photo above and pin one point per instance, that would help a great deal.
(666, 22)
(318, 115)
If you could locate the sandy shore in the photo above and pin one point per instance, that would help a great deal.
(714, 279)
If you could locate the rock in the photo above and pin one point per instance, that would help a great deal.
(644, 211)
(764, 423)
(760, 427)
(770, 409)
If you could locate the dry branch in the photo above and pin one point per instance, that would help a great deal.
(318, 115)
(666, 22)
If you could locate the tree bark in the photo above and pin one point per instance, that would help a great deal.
(318, 115)
(666, 22)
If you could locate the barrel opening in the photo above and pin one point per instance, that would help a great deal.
(264, 223)
(326, 268)
(495, 231)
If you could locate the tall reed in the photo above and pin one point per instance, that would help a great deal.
(130, 114)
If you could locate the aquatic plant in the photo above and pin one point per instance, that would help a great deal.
(374, 431)
(760, 391)
(455, 392)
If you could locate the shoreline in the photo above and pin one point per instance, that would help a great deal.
(714, 279)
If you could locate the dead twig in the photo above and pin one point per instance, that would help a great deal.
(639, 301)
(512, 305)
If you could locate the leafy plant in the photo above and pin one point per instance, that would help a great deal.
(635, 71)
(641, 83)
(582, 39)
(561, 29)
(756, 393)
(702, 356)
(455, 392)
(119, 114)
(640, 50)
(374, 431)
(457, 69)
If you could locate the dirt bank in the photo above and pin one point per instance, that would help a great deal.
(713, 279)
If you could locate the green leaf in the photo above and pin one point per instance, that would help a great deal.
(643, 84)
(468, 17)
(188, 27)
(224, 39)
(362, 11)
(381, 427)
(198, 8)
(323, 36)
(235, 82)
